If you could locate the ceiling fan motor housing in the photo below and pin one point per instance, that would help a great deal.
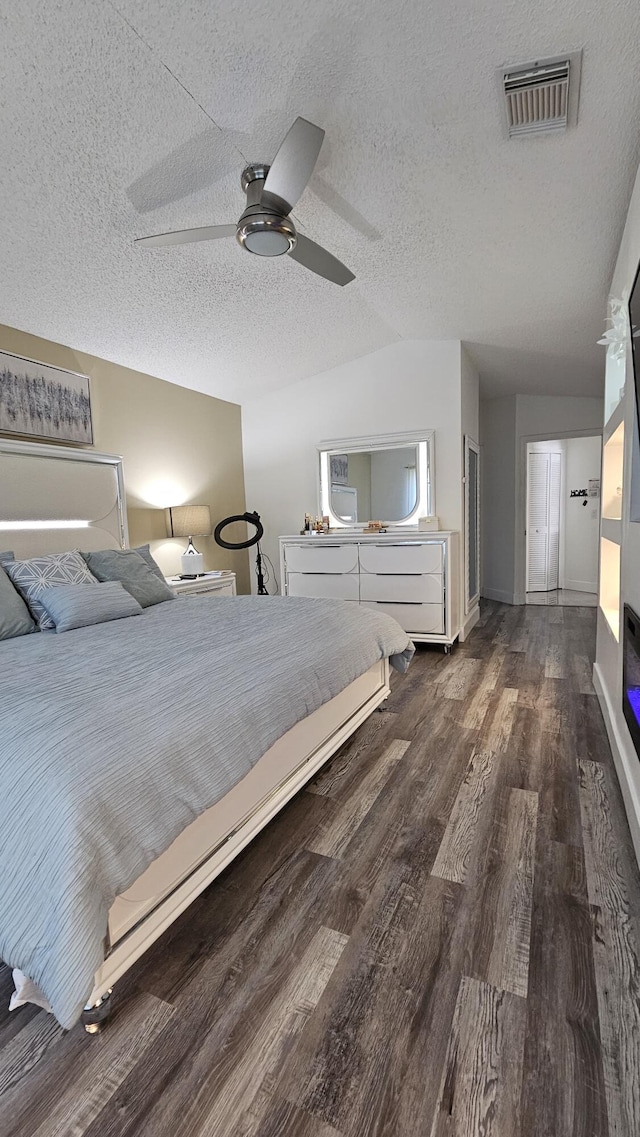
(263, 230)
(266, 227)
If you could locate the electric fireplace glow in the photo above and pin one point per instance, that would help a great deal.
(631, 674)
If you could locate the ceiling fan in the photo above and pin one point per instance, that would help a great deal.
(265, 227)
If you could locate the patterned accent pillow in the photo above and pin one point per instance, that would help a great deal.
(4, 557)
(31, 577)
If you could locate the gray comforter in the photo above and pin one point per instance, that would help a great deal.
(114, 738)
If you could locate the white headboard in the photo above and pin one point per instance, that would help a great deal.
(56, 498)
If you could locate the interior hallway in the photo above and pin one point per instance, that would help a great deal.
(438, 936)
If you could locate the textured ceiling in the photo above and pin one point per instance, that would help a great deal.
(134, 117)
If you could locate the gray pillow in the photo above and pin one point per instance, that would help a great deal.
(127, 566)
(15, 619)
(78, 605)
(4, 557)
(32, 576)
(145, 553)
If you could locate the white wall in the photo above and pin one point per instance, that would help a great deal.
(581, 522)
(498, 497)
(408, 385)
(557, 415)
(470, 398)
(548, 446)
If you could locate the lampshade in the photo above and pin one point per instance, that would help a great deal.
(188, 521)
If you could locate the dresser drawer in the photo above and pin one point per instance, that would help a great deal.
(315, 556)
(209, 585)
(418, 618)
(401, 558)
(414, 589)
(323, 584)
(223, 589)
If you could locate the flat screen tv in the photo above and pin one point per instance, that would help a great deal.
(634, 324)
(631, 674)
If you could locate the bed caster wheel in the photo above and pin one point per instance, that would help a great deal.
(96, 1014)
(381, 708)
(447, 649)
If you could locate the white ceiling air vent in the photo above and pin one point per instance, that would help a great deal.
(541, 96)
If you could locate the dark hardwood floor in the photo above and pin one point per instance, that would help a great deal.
(440, 935)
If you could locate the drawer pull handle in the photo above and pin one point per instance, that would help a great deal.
(319, 573)
(412, 603)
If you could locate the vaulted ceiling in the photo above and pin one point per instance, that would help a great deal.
(130, 117)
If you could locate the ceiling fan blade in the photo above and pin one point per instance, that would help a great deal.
(183, 236)
(293, 165)
(317, 259)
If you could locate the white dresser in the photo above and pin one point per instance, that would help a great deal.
(411, 576)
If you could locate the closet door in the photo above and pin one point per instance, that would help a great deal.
(543, 521)
(555, 481)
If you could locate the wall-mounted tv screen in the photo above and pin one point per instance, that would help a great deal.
(634, 324)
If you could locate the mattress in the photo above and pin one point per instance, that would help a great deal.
(114, 738)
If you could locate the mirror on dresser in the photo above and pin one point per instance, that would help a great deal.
(380, 478)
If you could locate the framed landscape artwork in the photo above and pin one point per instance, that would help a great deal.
(44, 402)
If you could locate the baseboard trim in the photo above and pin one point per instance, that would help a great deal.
(502, 597)
(580, 586)
(623, 756)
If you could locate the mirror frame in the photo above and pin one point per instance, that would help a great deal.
(423, 440)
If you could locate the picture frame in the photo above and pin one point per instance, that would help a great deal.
(40, 401)
(339, 469)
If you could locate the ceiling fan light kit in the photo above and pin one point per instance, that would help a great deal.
(265, 228)
(266, 236)
(260, 230)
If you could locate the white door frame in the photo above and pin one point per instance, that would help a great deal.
(520, 596)
(471, 602)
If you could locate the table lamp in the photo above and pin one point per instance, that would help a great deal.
(189, 521)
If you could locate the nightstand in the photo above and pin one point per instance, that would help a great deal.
(211, 584)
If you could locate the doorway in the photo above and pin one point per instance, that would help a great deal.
(563, 520)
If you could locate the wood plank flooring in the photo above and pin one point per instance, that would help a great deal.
(439, 936)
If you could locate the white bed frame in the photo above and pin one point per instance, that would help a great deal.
(210, 843)
(49, 482)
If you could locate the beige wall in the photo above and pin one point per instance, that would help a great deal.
(178, 446)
